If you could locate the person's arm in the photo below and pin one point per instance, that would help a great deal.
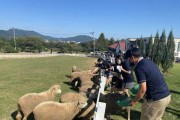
(128, 72)
(140, 94)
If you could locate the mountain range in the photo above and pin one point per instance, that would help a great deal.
(22, 33)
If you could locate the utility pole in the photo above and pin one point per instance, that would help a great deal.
(93, 41)
(14, 38)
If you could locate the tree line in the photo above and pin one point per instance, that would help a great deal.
(36, 44)
(159, 49)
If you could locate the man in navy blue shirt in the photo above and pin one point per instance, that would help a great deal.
(152, 87)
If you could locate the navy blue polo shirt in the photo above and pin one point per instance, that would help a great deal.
(127, 77)
(147, 71)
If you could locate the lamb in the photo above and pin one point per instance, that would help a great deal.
(111, 106)
(86, 112)
(29, 101)
(51, 110)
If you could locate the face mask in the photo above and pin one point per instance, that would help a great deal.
(118, 62)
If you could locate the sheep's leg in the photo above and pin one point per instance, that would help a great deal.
(25, 117)
(18, 116)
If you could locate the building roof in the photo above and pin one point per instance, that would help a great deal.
(121, 44)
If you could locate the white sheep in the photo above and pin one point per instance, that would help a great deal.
(71, 96)
(29, 101)
(86, 112)
(51, 110)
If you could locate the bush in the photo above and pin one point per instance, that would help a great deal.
(9, 49)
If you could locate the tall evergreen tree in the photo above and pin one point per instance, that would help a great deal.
(111, 41)
(155, 56)
(162, 46)
(102, 43)
(142, 46)
(168, 59)
(149, 48)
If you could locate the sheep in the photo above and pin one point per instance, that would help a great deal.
(71, 96)
(51, 110)
(27, 102)
(75, 75)
(74, 69)
(78, 77)
(85, 83)
(111, 106)
(85, 88)
(86, 112)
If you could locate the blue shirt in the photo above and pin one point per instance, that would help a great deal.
(147, 71)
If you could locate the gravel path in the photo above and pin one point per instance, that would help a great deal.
(35, 55)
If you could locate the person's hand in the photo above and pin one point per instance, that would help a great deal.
(129, 72)
(133, 102)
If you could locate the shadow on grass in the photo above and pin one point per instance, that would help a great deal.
(68, 76)
(30, 117)
(67, 83)
(173, 111)
(175, 92)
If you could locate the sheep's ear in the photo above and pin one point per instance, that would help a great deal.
(54, 88)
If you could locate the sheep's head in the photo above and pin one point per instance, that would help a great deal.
(55, 89)
(81, 103)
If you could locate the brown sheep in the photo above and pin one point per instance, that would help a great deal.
(51, 110)
(29, 101)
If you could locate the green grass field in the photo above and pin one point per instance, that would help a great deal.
(21, 76)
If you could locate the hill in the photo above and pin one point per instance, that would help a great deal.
(22, 33)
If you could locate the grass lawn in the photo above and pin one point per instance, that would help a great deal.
(21, 76)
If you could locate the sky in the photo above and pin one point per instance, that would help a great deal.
(119, 19)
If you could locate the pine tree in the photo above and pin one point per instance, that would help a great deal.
(112, 41)
(168, 59)
(149, 48)
(155, 57)
(102, 42)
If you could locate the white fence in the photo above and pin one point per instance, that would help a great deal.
(100, 106)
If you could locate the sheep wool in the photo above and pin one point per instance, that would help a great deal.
(29, 101)
(51, 110)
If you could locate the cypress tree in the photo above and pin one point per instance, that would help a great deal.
(155, 57)
(168, 59)
(162, 47)
(142, 46)
(149, 48)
